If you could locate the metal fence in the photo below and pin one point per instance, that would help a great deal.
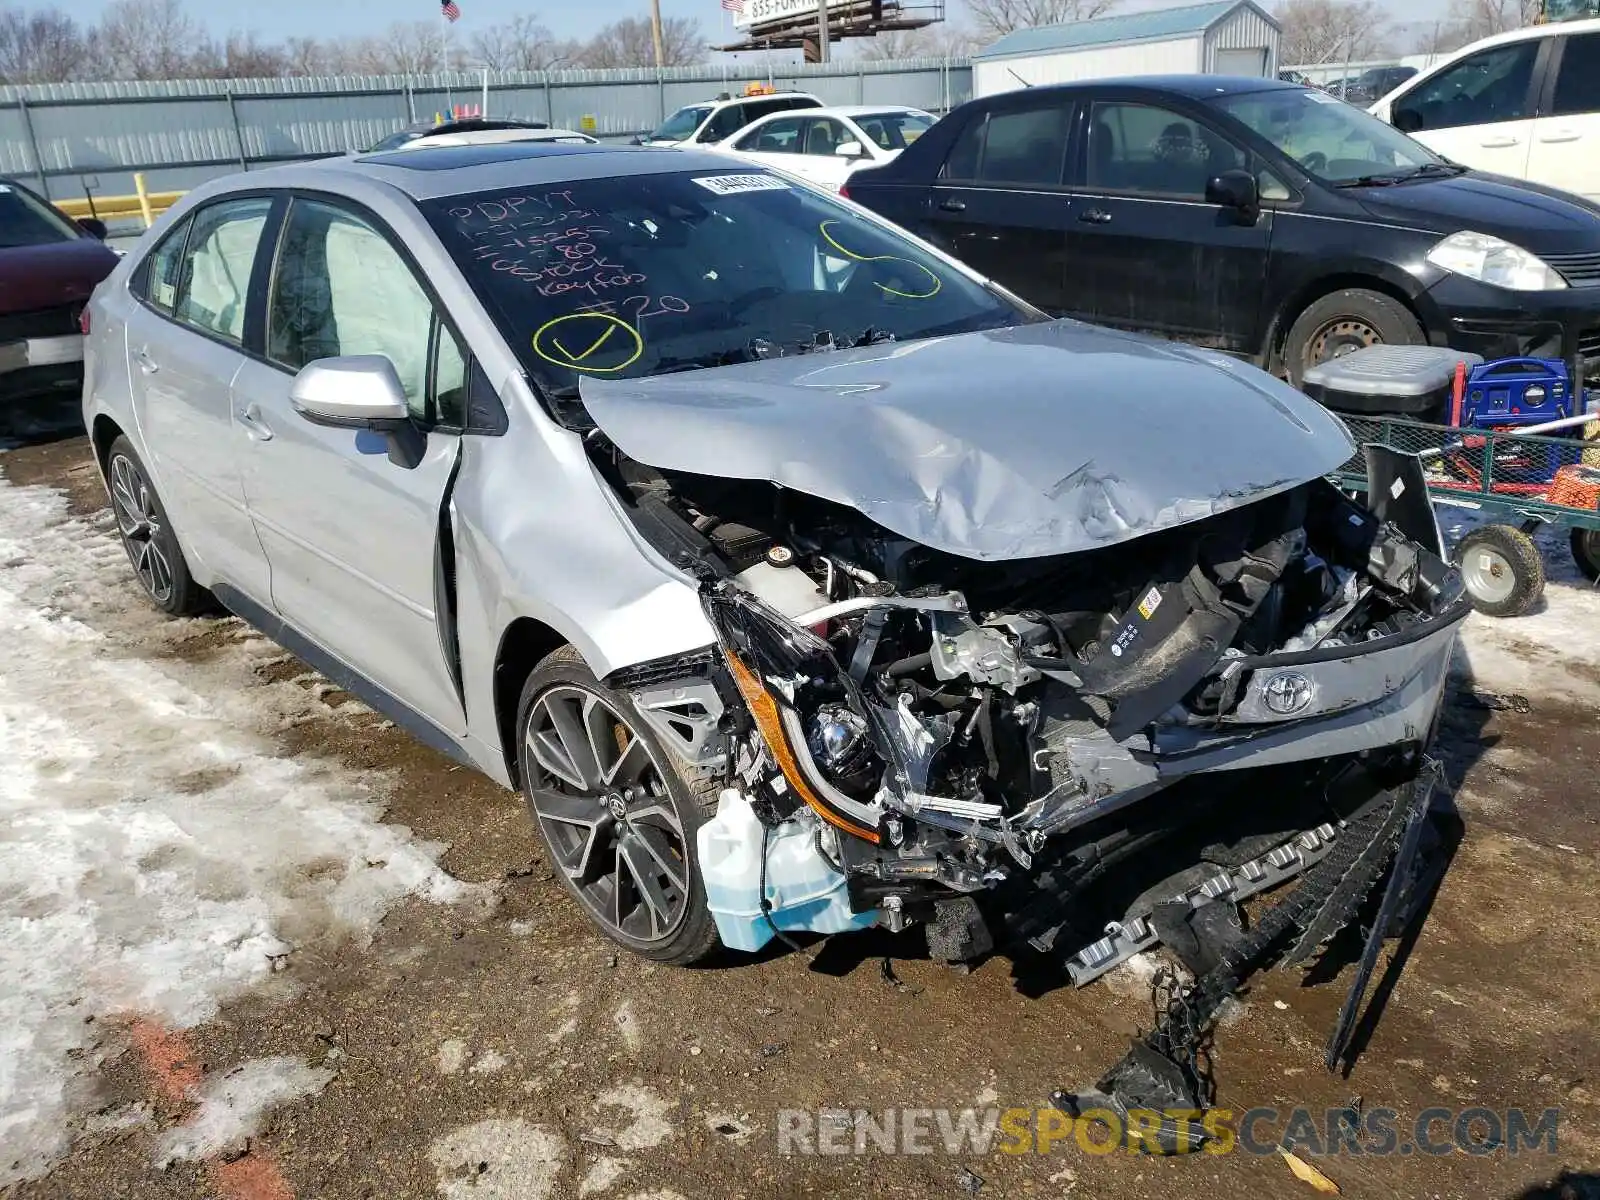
(75, 138)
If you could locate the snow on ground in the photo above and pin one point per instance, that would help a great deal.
(234, 1103)
(156, 854)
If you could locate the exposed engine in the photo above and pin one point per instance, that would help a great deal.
(945, 716)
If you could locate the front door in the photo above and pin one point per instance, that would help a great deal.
(351, 537)
(998, 203)
(1147, 251)
(1479, 111)
(1565, 149)
(185, 338)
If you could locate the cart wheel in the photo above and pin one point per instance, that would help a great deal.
(1502, 569)
(1586, 552)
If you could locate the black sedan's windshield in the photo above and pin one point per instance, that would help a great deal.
(28, 221)
(644, 274)
(1332, 140)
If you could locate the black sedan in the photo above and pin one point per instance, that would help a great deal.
(1247, 215)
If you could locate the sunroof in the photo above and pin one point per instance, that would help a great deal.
(445, 158)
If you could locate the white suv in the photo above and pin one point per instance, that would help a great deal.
(720, 118)
(1524, 104)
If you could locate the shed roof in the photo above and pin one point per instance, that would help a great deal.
(1187, 21)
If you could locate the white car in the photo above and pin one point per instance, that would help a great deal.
(717, 119)
(485, 137)
(824, 145)
(1524, 104)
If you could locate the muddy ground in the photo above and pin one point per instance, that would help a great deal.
(505, 1050)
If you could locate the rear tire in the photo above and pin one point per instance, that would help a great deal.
(616, 814)
(158, 562)
(1502, 569)
(1586, 552)
(1343, 322)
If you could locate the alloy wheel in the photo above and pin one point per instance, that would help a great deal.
(140, 522)
(601, 799)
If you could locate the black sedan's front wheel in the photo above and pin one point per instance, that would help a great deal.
(618, 818)
(1342, 323)
(152, 547)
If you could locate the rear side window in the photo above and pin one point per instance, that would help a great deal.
(1578, 84)
(218, 258)
(159, 276)
(1025, 146)
(1482, 89)
(775, 137)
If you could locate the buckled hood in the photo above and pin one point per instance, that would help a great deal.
(1014, 443)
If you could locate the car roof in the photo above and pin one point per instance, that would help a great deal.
(1194, 86)
(440, 171)
(484, 137)
(838, 110)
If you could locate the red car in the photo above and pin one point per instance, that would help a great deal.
(48, 266)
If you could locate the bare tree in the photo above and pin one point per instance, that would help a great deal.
(305, 56)
(406, 48)
(628, 43)
(996, 18)
(932, 41)
(43, 47)
(1474, 19)
(1325, 31)
(520, 44)
(147, 39)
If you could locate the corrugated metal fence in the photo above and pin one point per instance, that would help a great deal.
(76, 136)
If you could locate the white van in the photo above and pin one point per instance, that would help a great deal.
(1524, 104)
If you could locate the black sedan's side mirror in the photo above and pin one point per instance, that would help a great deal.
(93, 226)
(1237, 190)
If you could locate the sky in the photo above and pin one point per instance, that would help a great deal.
(565, 18)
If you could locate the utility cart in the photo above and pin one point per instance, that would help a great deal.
(1514, 440)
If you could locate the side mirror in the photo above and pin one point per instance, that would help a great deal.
(850, 150)
(1237, 190)
(1407, 120)
(93, 226)
(359, 391)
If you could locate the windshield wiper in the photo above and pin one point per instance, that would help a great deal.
(1432, 170)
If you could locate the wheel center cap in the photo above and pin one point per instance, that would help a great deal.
(617, 805)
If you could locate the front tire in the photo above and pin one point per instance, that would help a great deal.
(616, 814)
(1502, 569)
(1586, 552)
(158, 562)
(1343, 322)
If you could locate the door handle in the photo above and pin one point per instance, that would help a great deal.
(953, 205)
(1561, 135)
(1095, 216)
(146, 364)
(255, 426)
(1504, 142)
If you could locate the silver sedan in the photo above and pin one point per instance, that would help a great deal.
(798, 577)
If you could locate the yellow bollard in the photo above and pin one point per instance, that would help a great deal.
(144, 199)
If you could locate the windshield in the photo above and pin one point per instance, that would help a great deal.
(1330, 139)
(632, 276)
(682, 123)
(395, 140)
(894, 130)
(28, 221)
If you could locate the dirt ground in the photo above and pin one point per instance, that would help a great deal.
(504, 1049)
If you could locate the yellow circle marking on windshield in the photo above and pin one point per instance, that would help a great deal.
(553, 350)
(937, 283)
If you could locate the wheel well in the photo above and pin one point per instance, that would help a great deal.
(1312, 292)
(101, 435)
(523, 646)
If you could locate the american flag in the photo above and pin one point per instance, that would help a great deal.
(452, 11)
(733, 6)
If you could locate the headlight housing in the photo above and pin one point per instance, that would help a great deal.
(1495, 261)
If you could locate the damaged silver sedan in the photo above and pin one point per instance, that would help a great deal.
(799, 578)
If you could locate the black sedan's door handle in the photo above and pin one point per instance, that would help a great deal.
(953, 205)
(1095, 216)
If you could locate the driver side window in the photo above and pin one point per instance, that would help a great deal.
(341, 288)
(1482, 89)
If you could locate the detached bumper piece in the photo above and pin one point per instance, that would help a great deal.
(1163, 1074)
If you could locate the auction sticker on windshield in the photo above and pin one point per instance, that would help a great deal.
(730, 185)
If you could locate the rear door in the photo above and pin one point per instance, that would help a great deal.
(185, 346)
(353, 539)
(1565, 149)
(1479, 111)
(999, 203)
(1147, 251)
(776, 143)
